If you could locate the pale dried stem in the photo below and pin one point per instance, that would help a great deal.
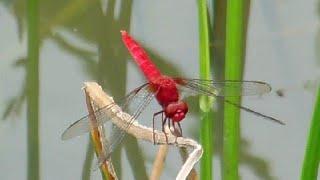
(184, 155)
(97, 134)
(120, 119)
(158, 163)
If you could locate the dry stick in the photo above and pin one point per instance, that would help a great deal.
(120, 119)
(159, 162)
(184, 155)
(97, 134)
(160, 158)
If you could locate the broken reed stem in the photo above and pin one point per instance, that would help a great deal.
(120, 119)
(160, 159)
(96, 134)
(158, 163)
(184, 155)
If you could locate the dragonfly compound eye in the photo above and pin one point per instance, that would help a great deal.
(178, 116)
(176, 111)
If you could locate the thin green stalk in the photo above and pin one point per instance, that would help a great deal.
(134, 154)
(233, 71)
(312, 155)
(206, 132)
(32, 79)
(86, 169)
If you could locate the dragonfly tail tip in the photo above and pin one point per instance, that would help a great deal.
(123, 32)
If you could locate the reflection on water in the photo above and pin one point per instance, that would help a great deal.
(97, 23)
(89, 31)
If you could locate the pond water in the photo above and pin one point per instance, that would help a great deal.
(80, 41)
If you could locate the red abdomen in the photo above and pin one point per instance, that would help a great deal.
(141, 57)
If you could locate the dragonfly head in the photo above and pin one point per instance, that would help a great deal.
(176, 110)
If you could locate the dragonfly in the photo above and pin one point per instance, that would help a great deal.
(167, 91)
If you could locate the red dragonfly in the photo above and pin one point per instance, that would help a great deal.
(168, 93)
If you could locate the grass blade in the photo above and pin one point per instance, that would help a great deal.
(233, 71)
(206, 117)
(86, 168)
(32, 80)
(312, 155)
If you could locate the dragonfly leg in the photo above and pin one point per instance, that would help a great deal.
(154, 115)
(163, 130)
(177, 131)
(180, 129)
(174, 128)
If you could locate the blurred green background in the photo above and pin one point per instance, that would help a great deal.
(79, 41)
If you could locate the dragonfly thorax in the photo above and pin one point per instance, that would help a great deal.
(167, 95)
(166, 90)
(176, 111)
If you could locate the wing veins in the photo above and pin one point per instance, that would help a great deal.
(128, 124)
(83, 123)
(207, 92)
(220, 88)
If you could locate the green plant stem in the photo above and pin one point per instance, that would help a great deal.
(312, 154)
(132, 150)
(86, 169)
(206, 132)
(233, 71)
(32, 79)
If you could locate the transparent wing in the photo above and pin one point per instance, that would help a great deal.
(135, 107)
(82, 125)
(224, 88)
(119, 132)
(227, 88)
